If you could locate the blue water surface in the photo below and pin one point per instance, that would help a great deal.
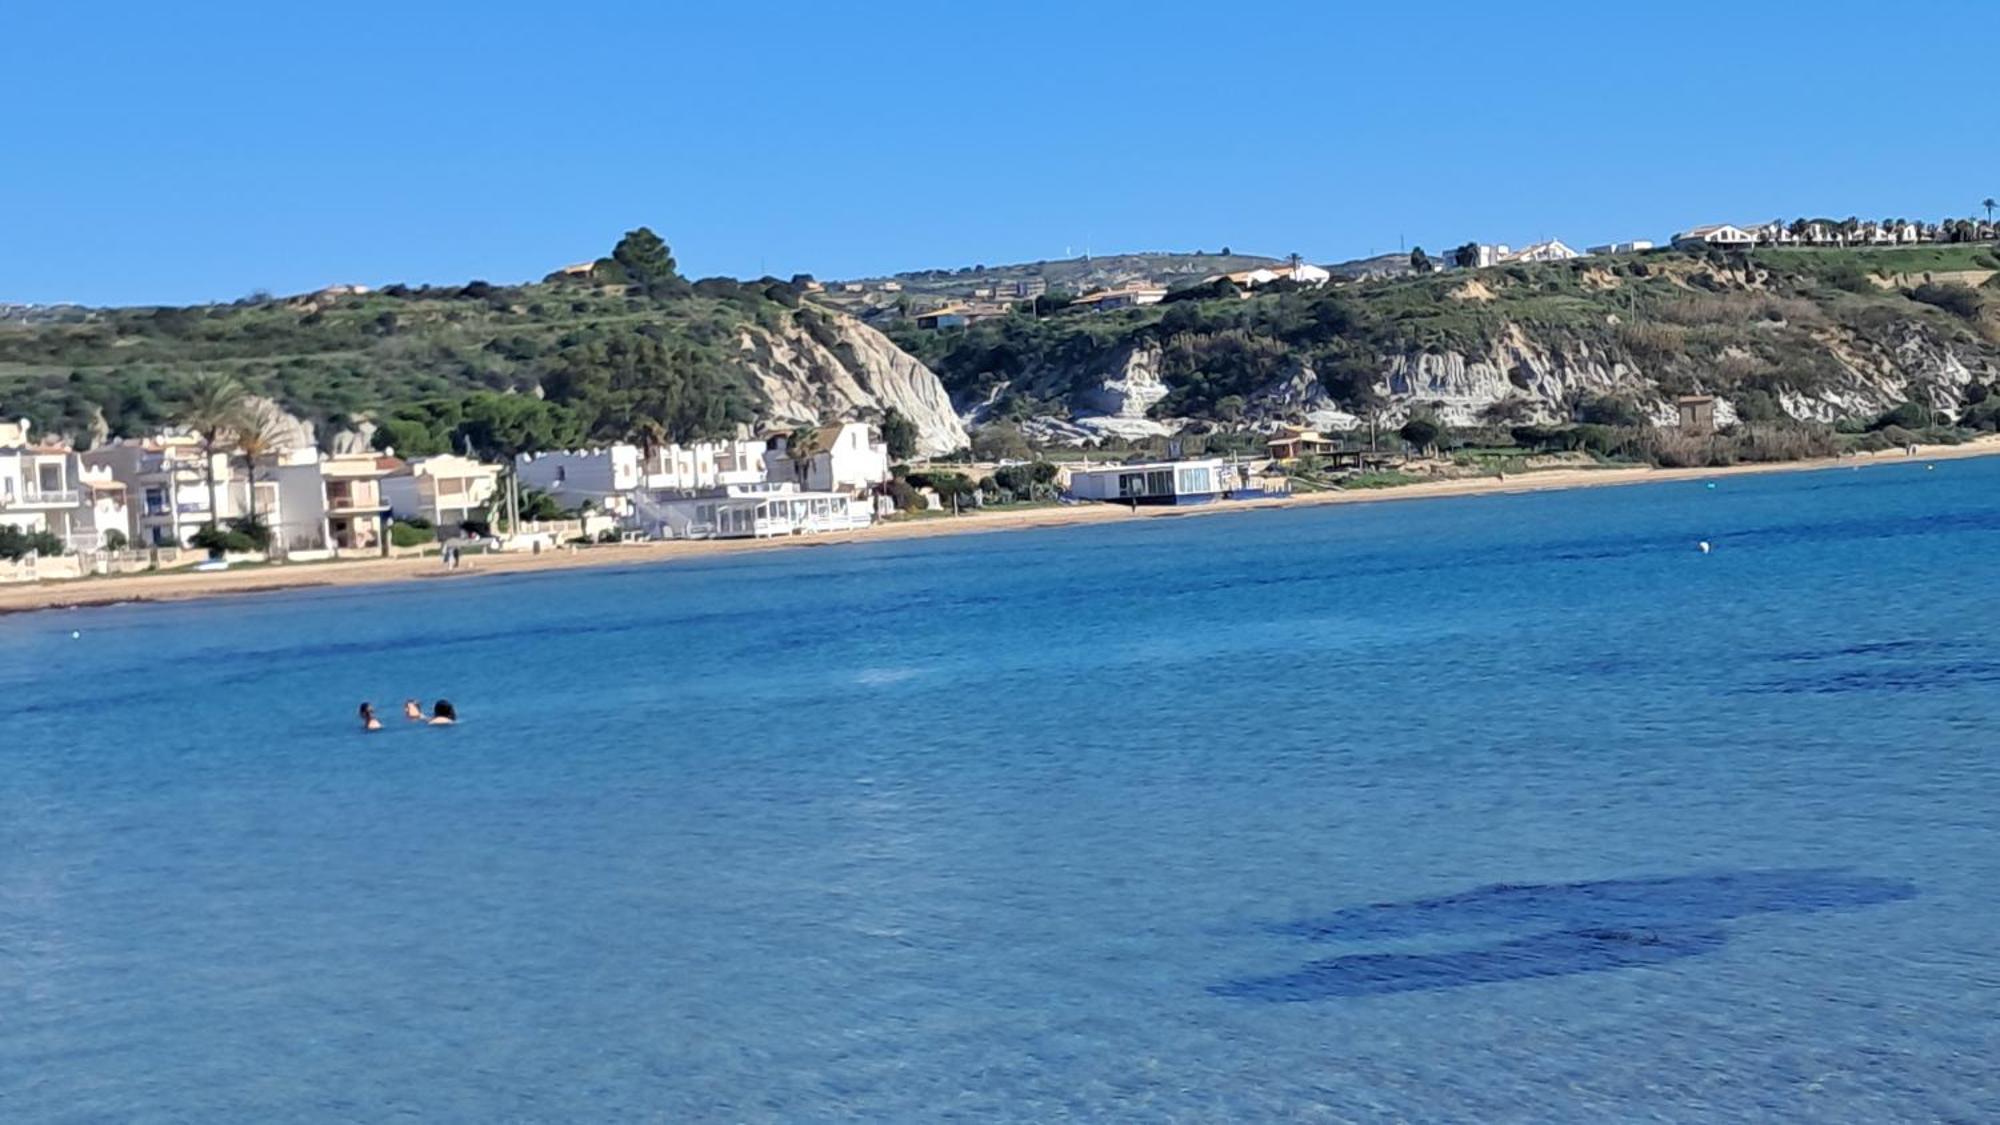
(1499, 809)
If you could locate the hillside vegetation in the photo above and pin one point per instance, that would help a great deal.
(631, 350)
(1791, 334)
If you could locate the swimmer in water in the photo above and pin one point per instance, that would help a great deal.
(412, 711)
(368, 719)
(443, 714)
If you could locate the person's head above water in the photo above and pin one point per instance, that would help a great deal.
(368, 719)
(412, 709)
(443, 712)
(367, 710)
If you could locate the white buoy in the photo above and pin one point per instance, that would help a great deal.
(73, 634)
(1704, 546)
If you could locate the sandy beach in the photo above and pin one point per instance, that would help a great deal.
(185, 584)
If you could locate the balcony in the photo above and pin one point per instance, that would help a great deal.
(43, 498)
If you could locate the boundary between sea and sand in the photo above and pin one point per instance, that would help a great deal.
(187, 585)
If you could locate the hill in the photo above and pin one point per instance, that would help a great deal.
(631, 350)
(1780, 336)
(625, 348)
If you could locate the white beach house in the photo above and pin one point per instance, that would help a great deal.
(42, 488)
(329, 503)
(843, 457)
(166, 487)
(446, 489)
(748, 511)
(606, 476)
(1157, 482)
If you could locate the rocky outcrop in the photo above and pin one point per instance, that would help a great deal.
(1119, 404)
(838, 369)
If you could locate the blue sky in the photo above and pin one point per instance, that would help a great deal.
(159, 153)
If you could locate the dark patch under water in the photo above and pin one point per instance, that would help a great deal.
(1586, 927)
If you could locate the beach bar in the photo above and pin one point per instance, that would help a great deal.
(1154, 482)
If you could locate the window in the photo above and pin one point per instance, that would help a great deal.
(1195, 480)
(1131, 485)
(1160, 482)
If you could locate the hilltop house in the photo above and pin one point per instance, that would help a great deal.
(1630, 247)
(1130, 297)
(1551, 251)
(1719, 235)
(957, 315)
(1303, 274)
(446, 489)
(843, 457)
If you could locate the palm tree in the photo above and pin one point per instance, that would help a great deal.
(260, 433)
(212, 410)
(800, 446)
(1989, 203)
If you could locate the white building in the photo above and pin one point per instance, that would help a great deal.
(1131, 297)
(42, 488)
(167, 487)
(446, 489)
(1720, 235)
(747, 511)
(843, 457)
(1158, 482)
(1631, 247)
(605, 476)
(331, 503)
(1551, 251)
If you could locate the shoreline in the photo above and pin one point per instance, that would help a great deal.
(185, 585)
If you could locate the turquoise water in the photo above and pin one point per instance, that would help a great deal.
(1504, 809)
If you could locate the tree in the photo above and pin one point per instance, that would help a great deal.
(212, 408)
(17, 543)
(1989, 203)
(1420, 261)
(260, 433)
(1421, 433)
(801, 445)
(1001, 441)
(899, 434)
(1466, 257)
(648, 264)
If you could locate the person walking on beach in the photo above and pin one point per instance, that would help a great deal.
(368, 719)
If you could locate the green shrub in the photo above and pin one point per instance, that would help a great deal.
(1908, 415)
(406, 533)
(17, 544)
(114, 540)
(220, 541)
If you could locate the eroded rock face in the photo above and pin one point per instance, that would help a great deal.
(856, 373)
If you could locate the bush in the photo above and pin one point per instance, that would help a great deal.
(1958, 300)
(114, 540)
(474, 526)
(608, 535)
(17, 544)
(406, 533)
(220, 541)
(1907, 416)
(255, 531)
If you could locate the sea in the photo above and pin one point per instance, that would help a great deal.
(1496, 809)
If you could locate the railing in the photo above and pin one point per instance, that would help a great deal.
(43, 496)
